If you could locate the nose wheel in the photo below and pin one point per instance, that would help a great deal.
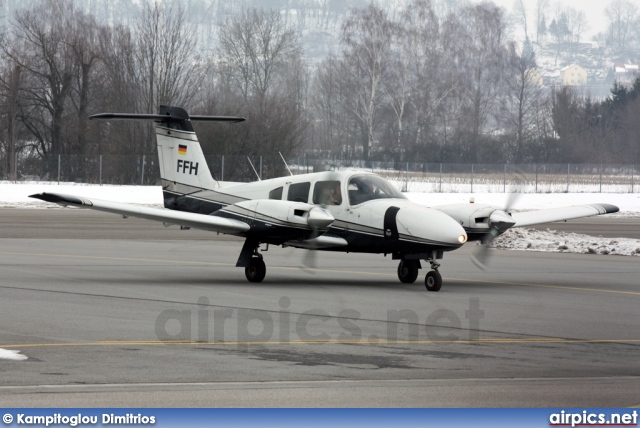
(433, 281)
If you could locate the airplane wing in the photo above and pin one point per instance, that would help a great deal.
(530, 218)
(196, 221)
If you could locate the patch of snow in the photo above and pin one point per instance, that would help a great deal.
(8, 354)
(549, 240)
(17, 194)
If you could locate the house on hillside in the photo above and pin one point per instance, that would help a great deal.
(624, 74)
(573, 75)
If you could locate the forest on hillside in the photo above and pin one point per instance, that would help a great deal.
(416, 83)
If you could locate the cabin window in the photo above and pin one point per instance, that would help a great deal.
(363, 188)
(299, 192)
(327, 193)
(276, 193)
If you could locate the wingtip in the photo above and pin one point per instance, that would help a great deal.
(59, 199)
(608, 208)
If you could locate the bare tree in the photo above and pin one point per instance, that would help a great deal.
(541, 7)
(255, 46)
(170, 64)
(477, 53)
(41, 49)
(621, 14)
(366, 35)
(577, 23)
(520, 103)
(520, 13)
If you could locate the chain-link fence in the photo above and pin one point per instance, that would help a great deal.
(412, 177)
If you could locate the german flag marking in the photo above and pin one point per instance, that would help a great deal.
(182, 150)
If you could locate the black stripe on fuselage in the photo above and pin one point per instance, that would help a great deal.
(361, 238)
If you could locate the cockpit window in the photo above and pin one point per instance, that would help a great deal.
(276, 193)
(299, 192)
(327, 193)
(363, 188)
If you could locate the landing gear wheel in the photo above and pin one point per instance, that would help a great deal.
(433, 281)
(256, 270)
(408, 271)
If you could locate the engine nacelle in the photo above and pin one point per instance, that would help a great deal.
(479, 219)
(295, 214)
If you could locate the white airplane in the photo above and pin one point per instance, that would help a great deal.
(345, 211)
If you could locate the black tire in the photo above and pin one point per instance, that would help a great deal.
(408, 271)
(256, 270)
(433, 281)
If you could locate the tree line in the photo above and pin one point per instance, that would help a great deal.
(419, 83)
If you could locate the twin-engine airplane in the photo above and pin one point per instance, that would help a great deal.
(344, 211)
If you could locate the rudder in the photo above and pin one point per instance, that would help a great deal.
(180, 156)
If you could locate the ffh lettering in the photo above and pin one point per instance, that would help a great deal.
(191, 167)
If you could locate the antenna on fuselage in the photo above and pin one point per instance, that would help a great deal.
(285, 164)
(254, 170)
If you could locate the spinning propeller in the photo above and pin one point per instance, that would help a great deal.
(319, 220)
(499, 222)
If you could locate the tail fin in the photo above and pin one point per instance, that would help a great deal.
(180, 155)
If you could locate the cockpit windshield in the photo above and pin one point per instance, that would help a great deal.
(363, 188)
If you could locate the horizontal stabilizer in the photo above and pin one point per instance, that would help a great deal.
(196, 221)
(165, 117)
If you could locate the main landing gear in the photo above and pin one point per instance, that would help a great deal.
(408, 273)
(251, 260)
(256, 270)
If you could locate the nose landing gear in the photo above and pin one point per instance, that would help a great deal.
(408, 269)
(433, 279)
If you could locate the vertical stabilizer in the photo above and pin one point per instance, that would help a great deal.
(183, 168)
(180, 155)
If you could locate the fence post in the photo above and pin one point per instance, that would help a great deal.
(504, 179)
(633, 169)
(568, 168)
(471, 178)
(15, 169)
(600, 178)
(101, 170)
(440, 177)
(222, 169)
(260, 167)
(536, 178)
(406, 179)
(58, 168)
(142, 177)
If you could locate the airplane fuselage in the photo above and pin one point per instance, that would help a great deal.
(370, 215)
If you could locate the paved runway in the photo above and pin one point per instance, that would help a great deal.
(115, 312)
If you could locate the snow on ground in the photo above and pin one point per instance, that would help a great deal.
(16, 196)
(7, 354)
(525, 239)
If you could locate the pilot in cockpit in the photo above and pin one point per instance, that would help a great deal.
(328, 193)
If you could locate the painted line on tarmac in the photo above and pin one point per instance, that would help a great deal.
(296, 268)
(305, 383)
(561, 287)
(320, 342)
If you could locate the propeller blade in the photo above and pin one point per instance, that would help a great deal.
(499, 222)
(482, 257)
(309, 262)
